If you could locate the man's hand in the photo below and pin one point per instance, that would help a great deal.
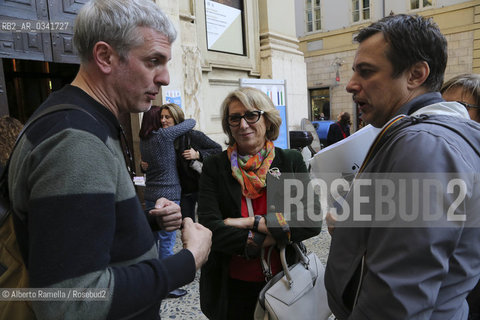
(191, 154)
(168, 214)
(197, 239)
(330, 219)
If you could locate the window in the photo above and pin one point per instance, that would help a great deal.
(224, 24)
(313, 15)
(320, 104)
(224, 47)
(360, 10)
(419, 4)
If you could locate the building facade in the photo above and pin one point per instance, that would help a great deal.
(219, 42)
(204, 73)
(326, 29)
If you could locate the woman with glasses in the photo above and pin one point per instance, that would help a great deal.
(160, 127)
(465, 89)
(233, 204)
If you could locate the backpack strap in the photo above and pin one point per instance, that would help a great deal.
(380, 140)
(430, 120)
(4, 198)
(403, 121)
(341, 130)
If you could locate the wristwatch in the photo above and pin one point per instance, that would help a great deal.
(254, 244)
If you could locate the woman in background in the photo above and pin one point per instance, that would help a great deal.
(160, 127)
(465, 89)
(340, 129)
(193, 146)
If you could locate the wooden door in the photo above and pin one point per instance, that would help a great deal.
(38, 29)
(18, 37)
(63, 12)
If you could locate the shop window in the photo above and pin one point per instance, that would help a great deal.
(360, 10)
(313, 15)
(320, 104)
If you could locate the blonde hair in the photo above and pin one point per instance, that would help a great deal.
(253, 99)
(176, 112)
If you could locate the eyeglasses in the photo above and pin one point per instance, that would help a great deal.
(468, 105)
(250, 117)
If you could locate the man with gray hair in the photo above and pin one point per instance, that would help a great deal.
(83, 224)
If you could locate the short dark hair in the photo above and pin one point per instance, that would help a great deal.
(412, 39)
(345, 118)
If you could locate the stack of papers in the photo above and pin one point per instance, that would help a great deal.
(343, 159)
(346, 156)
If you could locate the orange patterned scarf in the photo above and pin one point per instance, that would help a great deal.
(251, 171)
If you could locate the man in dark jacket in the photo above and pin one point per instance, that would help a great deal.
(411, 252)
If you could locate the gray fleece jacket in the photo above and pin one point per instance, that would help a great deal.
(421, 270)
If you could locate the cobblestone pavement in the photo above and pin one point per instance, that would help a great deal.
(188, 306)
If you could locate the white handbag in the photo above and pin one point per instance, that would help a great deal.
(298, 292)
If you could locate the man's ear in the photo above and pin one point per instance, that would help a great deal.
(103, 55)
(418, 74)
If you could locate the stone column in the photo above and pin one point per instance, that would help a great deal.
(280, 57)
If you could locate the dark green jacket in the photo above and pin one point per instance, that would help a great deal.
(220, 198)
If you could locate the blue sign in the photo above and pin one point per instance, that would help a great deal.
(275, 90)
(282, 141)
(174, 96)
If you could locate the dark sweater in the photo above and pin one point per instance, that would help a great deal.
(84, 225)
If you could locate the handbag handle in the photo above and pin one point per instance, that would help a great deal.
(266, 267)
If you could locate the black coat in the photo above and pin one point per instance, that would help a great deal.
(336, 132)
(200, 142)
(220, 198)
